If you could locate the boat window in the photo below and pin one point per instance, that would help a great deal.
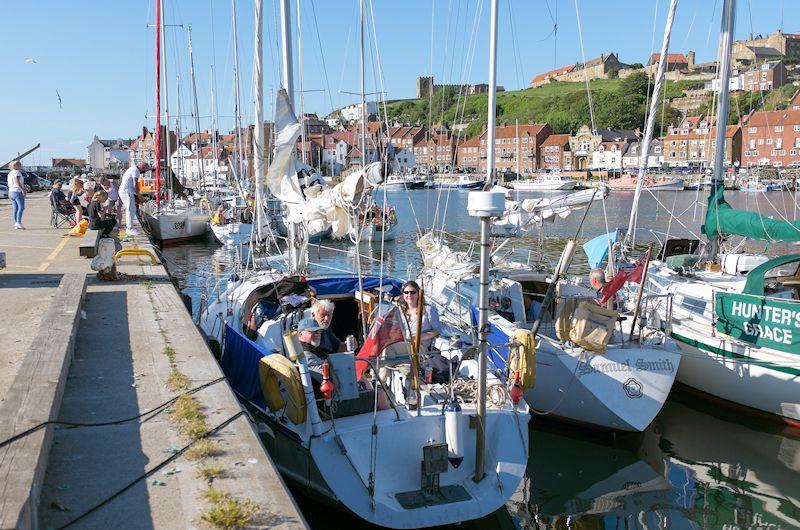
(695, 305)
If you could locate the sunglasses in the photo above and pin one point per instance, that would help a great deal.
(409, 292)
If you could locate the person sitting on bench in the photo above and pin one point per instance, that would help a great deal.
(98, 218)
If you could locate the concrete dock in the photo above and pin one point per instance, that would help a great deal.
(94, 358)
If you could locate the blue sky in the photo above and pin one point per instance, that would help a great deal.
(99, 55)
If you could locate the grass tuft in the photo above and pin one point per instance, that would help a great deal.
(177, 380)
(169, 351)
(186, 409)
(203, 449)
(194, 429)
(226, 511)
(209, 472)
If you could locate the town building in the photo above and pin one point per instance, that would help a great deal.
(144, 146)
(597, 68)
(608, 155)
(631, 160)
(402, 159)
(73, 164)
(675, 61)
(516, 148)
(585, 142)
(109, 155)
(352, 113)
(774, 46)
(201, 163)
(758, 78)
(427, 88)
(468, 155)
(555, 153)
(692, 143)
(772, 138)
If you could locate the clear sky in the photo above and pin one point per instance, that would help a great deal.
(98, 55)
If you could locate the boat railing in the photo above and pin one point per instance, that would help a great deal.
(381, 385)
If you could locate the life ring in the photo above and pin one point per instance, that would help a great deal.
(276, 370)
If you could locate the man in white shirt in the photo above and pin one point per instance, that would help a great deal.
(127, 193)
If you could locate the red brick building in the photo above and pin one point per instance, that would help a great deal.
(513, 141)
(555, 154)
(772, 138)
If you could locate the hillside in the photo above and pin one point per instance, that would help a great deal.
(618, 103)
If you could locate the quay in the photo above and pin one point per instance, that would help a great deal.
(90, 433)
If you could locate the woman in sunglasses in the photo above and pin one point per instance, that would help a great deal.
(409, 304)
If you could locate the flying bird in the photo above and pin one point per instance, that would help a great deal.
(30, 61)
(59, 99)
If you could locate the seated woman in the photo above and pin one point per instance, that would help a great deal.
(77, 198)
(218, 218)
(98, 218)
(410, 306)
(58, 200)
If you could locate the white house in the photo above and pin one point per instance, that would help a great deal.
(353, 112)
(178, 160)
(608, 155)
(108, 154)
(334, 152)
(655, 158)
(199, 164)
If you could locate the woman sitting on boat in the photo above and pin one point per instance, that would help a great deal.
(410, 306)
(218, 218)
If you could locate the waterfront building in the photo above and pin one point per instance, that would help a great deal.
(585, 142)
(763, 77)
(772, 138)
(405, 135)
(72, 164)
(203, 162)
(555, 153)
(143, 148)
(105, 155)
(468, 155)
(691, 143)
(352, 113)
(608, 155)
(631, 159)
(512, 141)
(402, 159)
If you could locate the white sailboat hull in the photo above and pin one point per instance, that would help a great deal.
(232, 233)
(532, 185)
(622, 389)
(371, 235)
(173, 226)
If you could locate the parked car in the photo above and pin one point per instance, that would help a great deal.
(32, 182)
(3, 191)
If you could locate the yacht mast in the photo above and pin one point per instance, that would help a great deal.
(237, 98)
(258, 130)
(214, 154)
(724, 61)
(644, 152)
(158, 105)
(286, 41)
(196, 111)
(168, 181)
(486, 227)
(363, 76)
(300, 82)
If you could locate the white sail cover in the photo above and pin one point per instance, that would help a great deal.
(522, 215)
(438, 257)
(282, 176)
(332, 207)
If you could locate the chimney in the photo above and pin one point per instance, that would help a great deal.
(690, 56)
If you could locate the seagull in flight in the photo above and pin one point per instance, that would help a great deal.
(31, 61)
(59, 99)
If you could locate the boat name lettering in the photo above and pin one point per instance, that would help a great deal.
(651, 365)
(767, 314)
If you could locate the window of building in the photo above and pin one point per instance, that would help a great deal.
(769, 141)
(779, 128)
(751, 130)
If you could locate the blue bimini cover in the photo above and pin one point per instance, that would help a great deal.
(349, 284)
(240, 358)
(597, 248)
(498, 341)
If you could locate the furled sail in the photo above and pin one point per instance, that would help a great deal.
(282, 174)
(722, 220)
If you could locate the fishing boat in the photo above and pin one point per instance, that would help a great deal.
(375, 225)
(734, 315)
(544, 183)
(629, 182)
(395, 182)
(457, 181)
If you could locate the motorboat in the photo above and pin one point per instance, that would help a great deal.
(457, 181)
(545, 182)
(628, 183)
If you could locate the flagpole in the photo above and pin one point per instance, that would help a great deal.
(641, 290)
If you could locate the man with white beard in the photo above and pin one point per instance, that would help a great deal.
(322, 312)
(309, 332)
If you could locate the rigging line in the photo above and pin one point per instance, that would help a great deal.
(586, 72)
(322, 54)
(515, 45)
(652, 51)
(671, 214)
(710, 26)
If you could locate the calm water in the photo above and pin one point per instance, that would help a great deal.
(697, 465)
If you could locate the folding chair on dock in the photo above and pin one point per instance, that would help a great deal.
(60, 217)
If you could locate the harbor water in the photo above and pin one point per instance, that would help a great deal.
(698, 465)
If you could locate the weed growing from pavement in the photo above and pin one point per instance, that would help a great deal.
(226, 511)
(209, 472)
(177, 380)
(203, 449)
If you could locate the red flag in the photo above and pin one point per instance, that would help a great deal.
(635, 275)
(387, 330)
(610, 289)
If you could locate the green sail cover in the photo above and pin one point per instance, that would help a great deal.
(723, 220)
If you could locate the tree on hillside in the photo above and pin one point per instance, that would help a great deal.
(635, 84)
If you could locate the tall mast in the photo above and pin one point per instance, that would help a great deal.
(158, 104)
(258, 130)
(725, 44)
(168, 181)
(286, 41)
(486, 226)
(237, 101)
(178, 129)
(300, 82)
(195, 110)
(214, 123)
(518, 140)
(644, 152)
(363, 75)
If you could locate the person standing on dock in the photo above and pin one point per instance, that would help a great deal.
(16, 192)
(127, 193)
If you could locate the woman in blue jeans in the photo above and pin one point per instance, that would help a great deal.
(16, 192)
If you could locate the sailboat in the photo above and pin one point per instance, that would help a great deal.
(391, 449)
(176, 220)
(735, 317)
